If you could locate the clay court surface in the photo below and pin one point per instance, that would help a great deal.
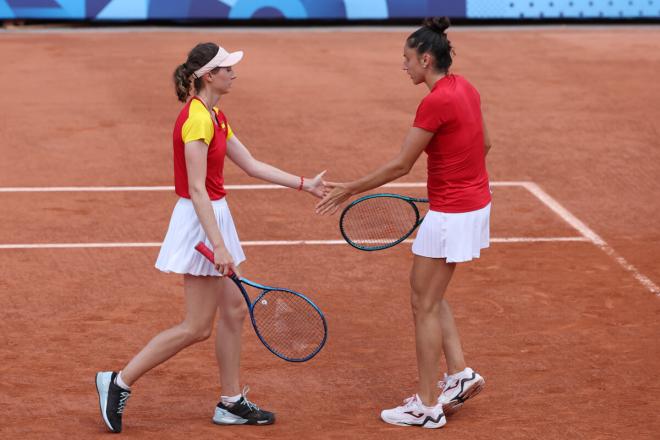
(562, 324)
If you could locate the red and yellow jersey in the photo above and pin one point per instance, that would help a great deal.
(196, 123)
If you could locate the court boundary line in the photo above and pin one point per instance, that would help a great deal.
(586, 233)
(20, 189)
(590, 234)
(250, 243)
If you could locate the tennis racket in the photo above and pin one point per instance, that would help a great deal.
(290, 325)
(380, 221)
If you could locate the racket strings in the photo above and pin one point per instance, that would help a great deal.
(289, 324)
(379, 221)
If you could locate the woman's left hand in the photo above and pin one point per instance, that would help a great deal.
(316, 186)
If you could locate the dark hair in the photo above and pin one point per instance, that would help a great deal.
(431, 38)
(197, 57)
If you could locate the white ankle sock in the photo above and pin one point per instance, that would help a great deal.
(230, 400)
(121, 383)
(430, 408)
(427, 408)
(465, 372)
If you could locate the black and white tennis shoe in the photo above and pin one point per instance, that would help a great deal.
(242, 412)
(112, 399)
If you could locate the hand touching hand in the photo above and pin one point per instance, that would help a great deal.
(336, 194)
(316, 186)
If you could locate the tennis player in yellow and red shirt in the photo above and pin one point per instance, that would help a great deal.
(202, 138)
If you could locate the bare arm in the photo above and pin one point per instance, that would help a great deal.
(242, 157)
(487, 143)
(416, 140)
(196, 154)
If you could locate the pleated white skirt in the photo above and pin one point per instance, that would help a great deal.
(458, 237)
(178, 254)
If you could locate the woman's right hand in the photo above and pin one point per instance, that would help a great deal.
(336, 194)
(316, 186)
(224, 262)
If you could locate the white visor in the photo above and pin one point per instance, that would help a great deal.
(221, 59)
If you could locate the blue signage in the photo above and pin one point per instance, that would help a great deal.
(127, 10)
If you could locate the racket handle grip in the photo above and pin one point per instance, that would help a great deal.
(208, 253)
(204, 250)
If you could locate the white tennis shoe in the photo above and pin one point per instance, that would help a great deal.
(413, 413)
(458, 388)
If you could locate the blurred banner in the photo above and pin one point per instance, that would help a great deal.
(127, 10)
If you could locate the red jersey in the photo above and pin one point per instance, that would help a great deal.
(456, 163)
(196, 123)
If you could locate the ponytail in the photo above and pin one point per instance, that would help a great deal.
(198, 57)
(182, 82)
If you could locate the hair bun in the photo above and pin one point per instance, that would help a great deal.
(437, 24)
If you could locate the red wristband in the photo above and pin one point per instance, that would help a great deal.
(302, 181)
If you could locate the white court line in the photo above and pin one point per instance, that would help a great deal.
(84, 189)
(264, 243)
(533, 188)
(17, 189)
(588, 233)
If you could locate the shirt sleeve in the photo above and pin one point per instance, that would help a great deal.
(429, 115)
(198, 127)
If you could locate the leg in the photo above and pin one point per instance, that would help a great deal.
(228, 353)
(457, 387)
(451, 342)
(429, 280)
(228, 336)
(201, 303)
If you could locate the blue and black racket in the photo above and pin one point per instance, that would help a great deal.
(380, 221)
(289, 324)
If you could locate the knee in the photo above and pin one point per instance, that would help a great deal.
(196, 333)
(234, 313)
(238, 311)
(416, 297)
(423, 304)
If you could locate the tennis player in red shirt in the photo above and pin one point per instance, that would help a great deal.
(449, 127)
(202, 138)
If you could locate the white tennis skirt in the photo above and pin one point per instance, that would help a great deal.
(178, 254)
(458, 237)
